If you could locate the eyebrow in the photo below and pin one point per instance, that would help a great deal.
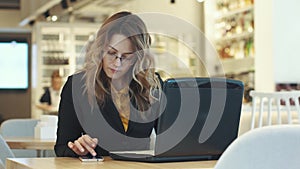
(126, 53)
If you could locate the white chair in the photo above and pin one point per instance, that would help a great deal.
(19, 128)
(269, 147)
(5, 152)
(273, 100)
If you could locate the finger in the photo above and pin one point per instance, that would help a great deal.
(74, 148)
(79, 145)
(87, 142)
(92, 142)
(70, 145)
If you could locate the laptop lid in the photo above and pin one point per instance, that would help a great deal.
(201, 117)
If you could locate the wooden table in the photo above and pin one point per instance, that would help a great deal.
(30, 143)
(74, 163)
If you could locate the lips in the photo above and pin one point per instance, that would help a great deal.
(114, 70)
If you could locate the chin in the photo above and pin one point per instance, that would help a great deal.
(113, 75)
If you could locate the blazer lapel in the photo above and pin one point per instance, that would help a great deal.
(132, 115)
(112, 116)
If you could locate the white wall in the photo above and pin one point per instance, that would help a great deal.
(277, 39)
(286, 39)
(9, 18)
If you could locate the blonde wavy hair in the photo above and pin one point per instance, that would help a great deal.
(144, 80)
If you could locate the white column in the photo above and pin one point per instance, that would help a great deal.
(263, 41)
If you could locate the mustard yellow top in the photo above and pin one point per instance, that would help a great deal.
(122, 103)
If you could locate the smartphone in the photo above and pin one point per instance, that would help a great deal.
(91, 158)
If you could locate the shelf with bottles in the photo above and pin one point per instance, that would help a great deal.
(81, 39)
(56, 46)
(230, 26)
(239, 26)
(173, 57)
(234, 29)
(224, 12)
(233, 6)
(64, 71)
(54, 49)
(80, 58)
(232, 37)
(56, 59)
(236, 49)
(236, 66)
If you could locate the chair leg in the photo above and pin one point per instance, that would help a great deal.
(261, 110)
(298, 108)
(278, 111)
(287, 104)
(253, 113)
(270, 111)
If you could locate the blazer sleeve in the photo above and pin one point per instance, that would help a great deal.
(69, 128)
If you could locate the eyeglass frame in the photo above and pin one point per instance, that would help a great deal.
(122, 57)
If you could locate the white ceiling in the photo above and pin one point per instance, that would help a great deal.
(98, 9)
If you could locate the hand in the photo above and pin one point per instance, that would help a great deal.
(84, 145)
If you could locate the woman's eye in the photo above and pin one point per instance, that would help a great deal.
(124, 58)
(111, 53)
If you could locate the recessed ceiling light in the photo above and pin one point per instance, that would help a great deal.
(54, 18)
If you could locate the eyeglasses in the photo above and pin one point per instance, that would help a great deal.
(126, 58)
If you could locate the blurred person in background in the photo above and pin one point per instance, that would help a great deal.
(51, 97)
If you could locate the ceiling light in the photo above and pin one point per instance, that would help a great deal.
(54, 18)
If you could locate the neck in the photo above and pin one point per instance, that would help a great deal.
(119, 84)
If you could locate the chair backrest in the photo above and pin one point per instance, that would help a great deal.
(281, 101)
(5, 152)
(22, 128)
(2, 165)
(269, 147)
(18, 127)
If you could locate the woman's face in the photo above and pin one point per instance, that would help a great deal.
(56, 83)
(118, 57)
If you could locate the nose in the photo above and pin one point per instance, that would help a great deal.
(117, 61)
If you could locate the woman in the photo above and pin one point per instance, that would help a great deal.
(50, 99)
(119, 77)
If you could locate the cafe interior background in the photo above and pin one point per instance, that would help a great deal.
(256, 41)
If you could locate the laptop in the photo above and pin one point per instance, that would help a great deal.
(200, 119)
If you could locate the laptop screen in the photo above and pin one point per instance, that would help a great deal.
(201, 116)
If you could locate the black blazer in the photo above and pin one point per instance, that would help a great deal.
(46, 97)
(76, 117)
